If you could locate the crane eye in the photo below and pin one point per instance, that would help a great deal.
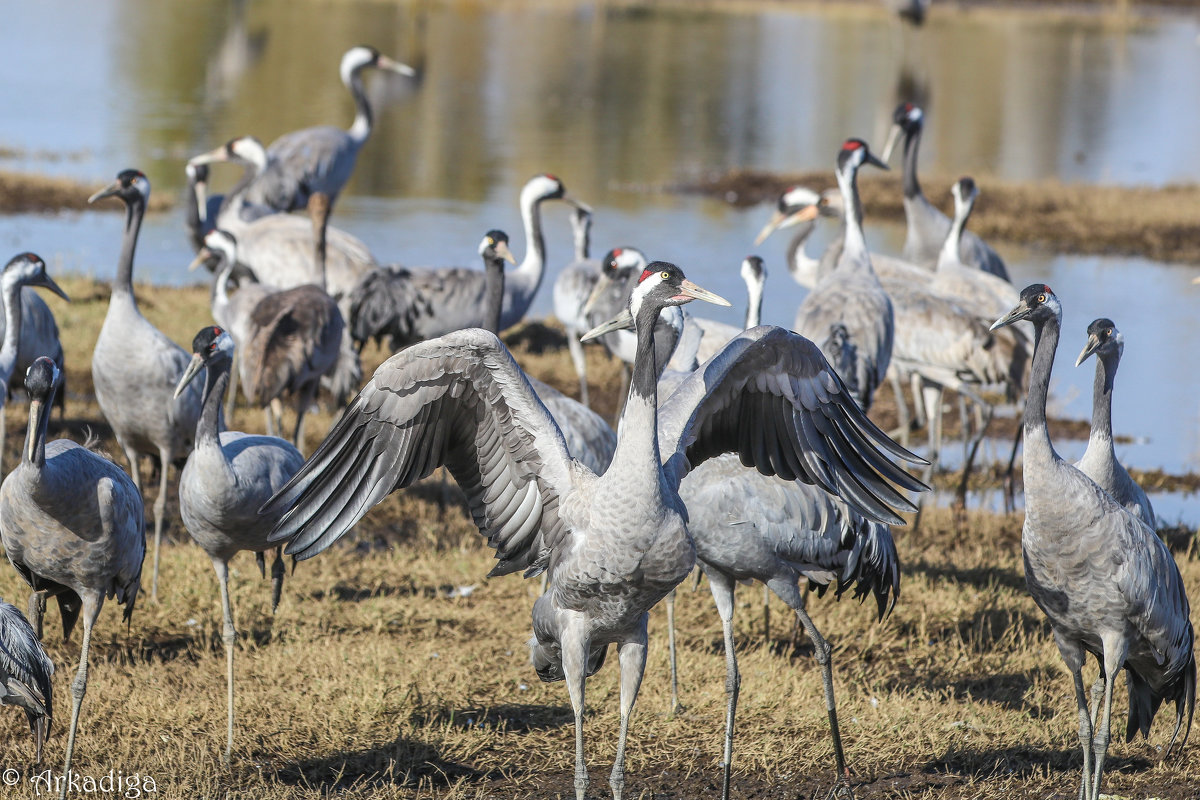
(664, 275)
(1108, 332)
(1041, 298)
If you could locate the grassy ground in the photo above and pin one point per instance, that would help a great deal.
(378, 678)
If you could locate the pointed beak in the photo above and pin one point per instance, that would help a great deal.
(779, 221)
(503, 251)
(1016, 315)
(582, 206)
(383, 62)
(691, 291)
(875, 162)
(893, 137)
(772, 225)
(597, 292)
(1093, 344)
(212, 156)
(621, 322)
(107, 191)
(193, 369)
(36, 410)
(46, 282)
(202, 256)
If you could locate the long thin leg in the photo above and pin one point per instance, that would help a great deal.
(277, 572)
(304, 398)
(1010, 481)
(919, 408)
(972, 452)
(823, 651)
(722, 592)
(574, 646)
(319, 208)
(1114, 657)
(160, 512)
(766, 615)
(3, 435)
(580, 361)
(37, 610)
(135, 470)
(632, 655)
(903, 420)
(931, 398)
(1085, 731)
(671, 647)
(92, 603)
(229, 636)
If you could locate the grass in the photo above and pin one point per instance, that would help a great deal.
(377, 678)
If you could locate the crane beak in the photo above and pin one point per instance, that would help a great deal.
(36, 411)
(202, 256)
(598, 290)
(383, 62)
(622, 321)
(107, 191)
(582, 206)
(212, 156)
(689, 291)
(875, 162)
(779, 221)
(1093, 344)
(893, 137)
(46, 282)
(1016, 315)
(193, 369)
(502, 250)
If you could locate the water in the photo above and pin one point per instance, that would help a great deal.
(617, 102)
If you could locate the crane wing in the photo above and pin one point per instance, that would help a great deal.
(771, 397)
(460, 401)
(23, 663)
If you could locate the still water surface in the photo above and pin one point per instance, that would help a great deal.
(616, 101)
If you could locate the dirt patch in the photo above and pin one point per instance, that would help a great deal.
(24, 193)
(1159, 224)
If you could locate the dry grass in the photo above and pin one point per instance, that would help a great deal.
(372, 681)
(25, 193)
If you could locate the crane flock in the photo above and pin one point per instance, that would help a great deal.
(745, 452)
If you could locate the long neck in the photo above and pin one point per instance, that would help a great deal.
(493, 298)
(1106, 372)
(236, 197)
(212, 417)
(912, 143)
(1045, 343)
(135, 210)
(950, 249)
(191, 216)
(11, 289)
(855, 245)
(637, 446)
(527, 277)
(754, 289)
(361, 128)
(802, 268)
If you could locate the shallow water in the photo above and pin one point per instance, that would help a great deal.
(615, 101)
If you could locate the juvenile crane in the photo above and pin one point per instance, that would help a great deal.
(615, 544)
(228, 476)
(135, 368)
(25, 672)
(1099, 460)
(74, 527)
(1108, 584)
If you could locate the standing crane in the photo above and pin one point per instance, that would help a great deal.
(1105, 580)
(615, 544)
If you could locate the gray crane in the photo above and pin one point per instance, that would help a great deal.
(614, 544)
(412, 304)
(24, 269)
(978, 290)
(848, 314)
(572, 288)
(25, 672)
(228, 476)
(277, 248)
(39, 337)
(135, 368)
(927, 226)
(1099, 460)
(1107, 583)
(73, 526)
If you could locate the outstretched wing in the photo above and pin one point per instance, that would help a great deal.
(25, 669)
(459, 401)
(771, 397)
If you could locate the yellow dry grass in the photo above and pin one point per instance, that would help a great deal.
(376, 679)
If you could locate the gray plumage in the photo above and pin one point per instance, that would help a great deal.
(135, 368)
(978, 290)
(1099, 460)
(25, 672)
(410, 305)
(928, 226)
(73, 526)
(228, 476)
(614, 545)
(39, 336)
(24, 269)
(848, 314)
(572, 288)
(1107, 583)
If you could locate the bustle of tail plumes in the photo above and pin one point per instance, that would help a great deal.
(1144, 702)
(381, 305)
(872, 564)
(842, 355)
(547, 660)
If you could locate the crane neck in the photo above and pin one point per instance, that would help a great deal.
(801, 266)
(236, 199)
(212, 414)
(855, 244)
(1102, 387)
(135, 210)
(637, 442)
(524, 281)
(754, 292)
(191, 215)
(361, 129)
(1037, 436)
(952, 246)
(493, 293)
(10, 285)
(912, 143)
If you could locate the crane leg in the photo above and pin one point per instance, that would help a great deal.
(135, 469)
(903, 421)
(92, 603)
(260, 558)
(320, 205)
(919, 408)
(37, 611)
(722, 591)
(304, 398)
(766, 615)
(160, 513)
(972, 452)
(1010, 503)
(1114, 657)
(671, 647)
(574, 648)
(229, 637)
(823, 653)
(277, 572)
(931, 400)
(632, 655)
(580, 361)
(1074, 660)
